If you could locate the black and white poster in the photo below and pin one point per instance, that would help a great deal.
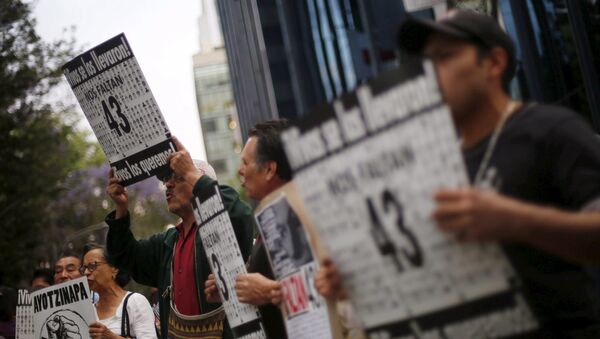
(367, 167)
(24, 328)
(294, 263)
(116, 100)
(63, 311)
(417, 5)
(226, 262)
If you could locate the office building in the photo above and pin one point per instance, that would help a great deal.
(218, 117)
(286, 57)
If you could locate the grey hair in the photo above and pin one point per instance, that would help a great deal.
(205, 167)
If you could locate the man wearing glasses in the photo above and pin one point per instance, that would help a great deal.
(174, 261)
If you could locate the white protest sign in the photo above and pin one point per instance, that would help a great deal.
(24, 328)
(64, 310)
(284, 229)
(226, 262)
(416, 5)
(116, 100)
(367, 168)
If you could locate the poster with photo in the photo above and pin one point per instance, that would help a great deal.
(64, 310)
(294, 253)
(117, 102)
(226, 261)
(367, 167)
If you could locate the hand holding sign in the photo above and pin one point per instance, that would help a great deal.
(181, 163)
(256, 289)
(329, 282)
(118, 194)
(210, 289)
(476, 215)
(99, 330)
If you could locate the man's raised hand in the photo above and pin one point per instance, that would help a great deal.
(118, 194)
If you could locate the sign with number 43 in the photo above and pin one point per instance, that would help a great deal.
(116, 100)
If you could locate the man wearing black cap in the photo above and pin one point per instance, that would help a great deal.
(543, 161)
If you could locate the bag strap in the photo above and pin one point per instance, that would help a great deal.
(125, 318)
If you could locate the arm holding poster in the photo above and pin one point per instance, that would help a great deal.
(125, 251)
(477, 215)
(329, 282)
(256, 289)
(251, 288)
(210, 290)
(182, 165)
(118, 194)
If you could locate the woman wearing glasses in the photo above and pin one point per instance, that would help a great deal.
(137, 321)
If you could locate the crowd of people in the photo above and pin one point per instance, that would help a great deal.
(535, 174)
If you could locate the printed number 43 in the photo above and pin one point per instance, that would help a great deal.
(414, 255)
(124, 124)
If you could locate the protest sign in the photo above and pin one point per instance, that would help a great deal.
(24, 328)
(417, 5)
(64, 310)
(367, 167)
(226, 261)
(294, 251)
(116, 100)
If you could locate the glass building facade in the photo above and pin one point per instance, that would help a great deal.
(558, 52)
(217, 114)
(288, 56)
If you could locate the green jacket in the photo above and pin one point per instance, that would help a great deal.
(149, 261)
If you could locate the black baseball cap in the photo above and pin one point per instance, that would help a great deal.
(465, 25)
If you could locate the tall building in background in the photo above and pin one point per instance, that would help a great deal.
(286, 57)
(218, 117)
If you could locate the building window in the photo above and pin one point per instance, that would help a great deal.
(209, 125)
(220, 166)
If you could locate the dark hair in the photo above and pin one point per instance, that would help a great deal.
(8, 303)
(269, 146)
(44, 273)
(483, 51)
(67, 254)
(122, 278)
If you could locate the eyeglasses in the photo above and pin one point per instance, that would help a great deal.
(91, 267)
(165, 178)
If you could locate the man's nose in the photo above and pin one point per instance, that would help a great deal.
(170, 183)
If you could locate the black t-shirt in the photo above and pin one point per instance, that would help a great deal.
(549, 156)
(271, 314)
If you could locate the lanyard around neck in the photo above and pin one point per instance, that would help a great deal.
(491, 146)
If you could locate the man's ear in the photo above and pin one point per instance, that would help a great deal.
(498, 62)
(271, 168)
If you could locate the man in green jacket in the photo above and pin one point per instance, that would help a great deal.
(174, 261)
